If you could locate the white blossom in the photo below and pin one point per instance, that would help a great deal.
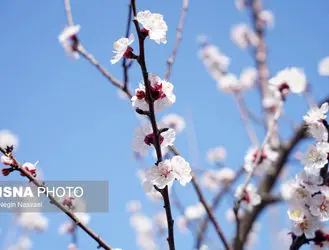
(154, 24)
(309, 181)
(213, 178)
(174, 121)
(161, 219)
(167, 171)
(194, 212)
(297, 213)
(323, 67)
(214, 60)
(316, 157)
(249, 197)
(229, 83)
(248, 77)
(319, 205)
(216, 155)
(292, 79)
(316, 115)
(32, 221)
(144, 139)
(141, 223)
(243, 36)
(308, 226)
(273, 101)
(261, 163)
(122, 48)
(318, 131)
(72, 246)
(133, 206)
(8, 140)
(68, 39)
(23, 243)
(267, 17)
(161, 92)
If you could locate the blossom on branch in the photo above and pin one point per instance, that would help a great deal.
(323, 67)
(161, 93)
(8, 141)
(144, 139)
(243, 36)
(167, 171)
(122, 48)
(316, 115)
(153, 25)
(69, 40)
(174, 121)
(248, 196)
(290, 79)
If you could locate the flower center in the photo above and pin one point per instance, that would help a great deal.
(165, 172)
(323, 207)
(149, 139)
(157, 92)
(246, 197)
(260, 159)
(128, 53)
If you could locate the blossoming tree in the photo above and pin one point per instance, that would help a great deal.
(249, 189)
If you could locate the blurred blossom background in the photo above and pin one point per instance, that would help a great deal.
(72, 120)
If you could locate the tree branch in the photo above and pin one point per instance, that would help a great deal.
(171, 59)
(18, 167)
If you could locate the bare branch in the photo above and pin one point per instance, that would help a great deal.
(18, 167)
(172, 57)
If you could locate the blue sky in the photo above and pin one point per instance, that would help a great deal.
(70, 118)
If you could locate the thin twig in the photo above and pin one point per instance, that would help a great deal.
(18, 167)
(83, 52)
(68, 12)
(124, 61)
(244, 117)
(172, 57)
(204, 224)
(206, 206)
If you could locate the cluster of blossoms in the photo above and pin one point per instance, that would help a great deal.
(159, 93)
(217, 65)
(143, 226)
(308, 193)
(213, 179)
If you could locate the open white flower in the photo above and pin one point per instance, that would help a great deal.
(8, 141)
(318, 131)
(293, 191)
(154, 25)
(214, 60)
(122, 48)
(194, 212)
(248, 197)
(323, 67)
(316, 115)
(161, 92)
(248, 77)
(309, 181)
(316, 157)
(319, 205)
(308, 226)
(213, 179)
(32, 221)
(182, 169)
(229, 83)
(167, 171)
(292, 79)
(144, 139)
(68, 39)
(243, 36)
(162, 174)
(267, 18)
(273, 100)
(297, 213)
(174, 121)
(261, 163)
(216, 155)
